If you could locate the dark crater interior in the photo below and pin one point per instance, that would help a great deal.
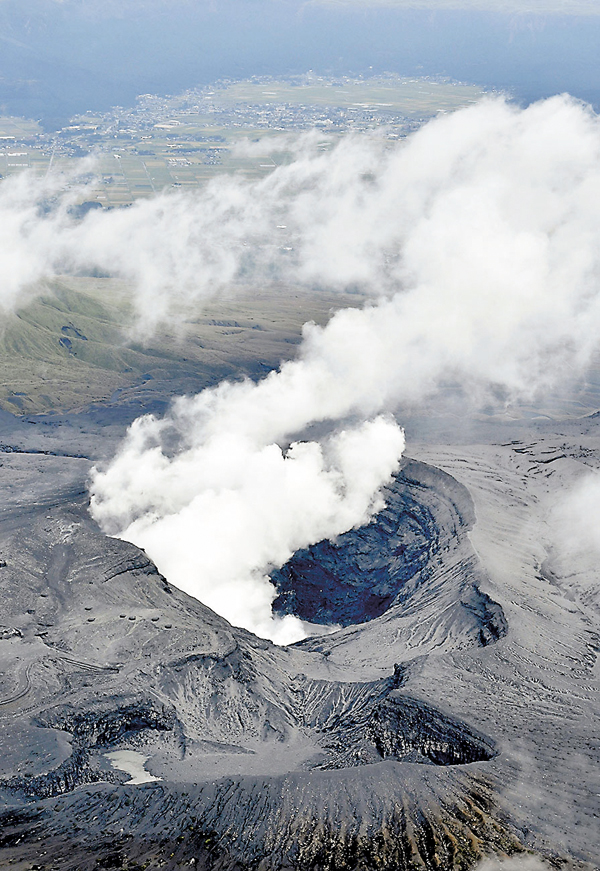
(359, 576)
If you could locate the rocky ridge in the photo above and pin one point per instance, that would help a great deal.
(377, 746)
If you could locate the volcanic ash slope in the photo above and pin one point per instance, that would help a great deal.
(457, 724)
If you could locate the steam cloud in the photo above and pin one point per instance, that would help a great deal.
(480, 234)
(576, 519)
(226, 507)
(575, 538)
(479, 241)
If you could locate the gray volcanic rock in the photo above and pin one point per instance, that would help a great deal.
(123, 653)
(381, 745)
(364, 572)
(359, 575)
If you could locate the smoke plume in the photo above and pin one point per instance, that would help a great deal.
(575, 519)
(486, 214)
(231, 504)
(478, 239)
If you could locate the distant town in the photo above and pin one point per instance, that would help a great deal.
(182, 141)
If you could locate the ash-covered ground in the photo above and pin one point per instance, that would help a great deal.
(451, 718)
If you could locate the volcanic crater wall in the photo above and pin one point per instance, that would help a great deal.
(306, 756)
(357, 577)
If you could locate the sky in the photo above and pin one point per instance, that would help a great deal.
(521, 7)
(120, 7)
(59, 58)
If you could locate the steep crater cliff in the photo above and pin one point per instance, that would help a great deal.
(360, 575)
(365, 723)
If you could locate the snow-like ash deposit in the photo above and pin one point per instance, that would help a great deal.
(477, 241)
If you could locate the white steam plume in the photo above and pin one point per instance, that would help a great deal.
(177, 248)
(222, 510)
(575, 540)
(576, 517)
(481, 235)
(491, 207)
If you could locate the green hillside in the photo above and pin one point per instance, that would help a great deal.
(73, 344)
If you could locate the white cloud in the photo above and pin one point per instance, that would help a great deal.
(222, 511)
(484, 218)
(576, 530)
(479, 241)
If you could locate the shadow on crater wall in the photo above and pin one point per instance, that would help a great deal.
(359, 576)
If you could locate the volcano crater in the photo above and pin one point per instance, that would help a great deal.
(365, 571)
